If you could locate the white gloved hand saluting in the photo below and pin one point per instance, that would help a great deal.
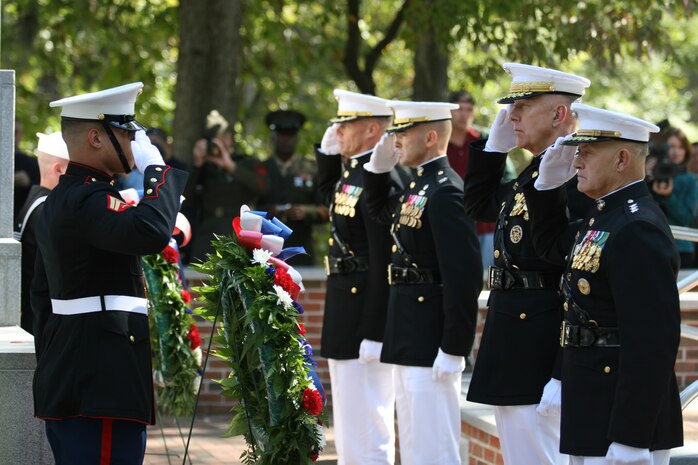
(551, 399)
(144, 152)
(446, 365)
(502, 138)
(329, 145)
(620, 454)
(556, 167)
(369, 351)
(384, 157)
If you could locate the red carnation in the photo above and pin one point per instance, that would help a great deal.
(301, 329)
(312, 401)
(283, 279)
(194, 337)
(170, 255)
(186, 296)
(313, 456)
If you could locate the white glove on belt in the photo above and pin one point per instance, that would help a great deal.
(551, 399)
(620, 454)
(370, 351)
(446, 365)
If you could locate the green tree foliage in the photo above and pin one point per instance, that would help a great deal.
(62, 47)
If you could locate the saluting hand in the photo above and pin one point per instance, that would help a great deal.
(502, 138)
(384, 157)
(329, 145)
(144, 152)
(556, 167)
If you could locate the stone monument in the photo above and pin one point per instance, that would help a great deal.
(22, 438)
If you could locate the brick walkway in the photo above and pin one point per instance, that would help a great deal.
(207, 446)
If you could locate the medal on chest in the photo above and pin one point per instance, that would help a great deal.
(519, 207)
(411, 211)
(587, 253)
(345, 200)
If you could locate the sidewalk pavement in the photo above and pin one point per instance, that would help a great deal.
(206, 445)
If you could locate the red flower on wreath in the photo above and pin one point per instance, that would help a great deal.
(313, 456)
(170, 255)
(301, 329)
(186, 296)
(194, 337)
(312, 401)
(283, 279)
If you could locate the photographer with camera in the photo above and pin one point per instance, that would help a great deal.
(221, 181)
(673, 187)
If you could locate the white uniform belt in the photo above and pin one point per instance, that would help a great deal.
(123, 303)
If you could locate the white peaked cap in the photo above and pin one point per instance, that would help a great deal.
(109, 104)
(407, 114)
(352, 106)
(597, 125)
(529, 81)
(52, 144)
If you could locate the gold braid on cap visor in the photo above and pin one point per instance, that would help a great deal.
(598, 133)
(532, 86)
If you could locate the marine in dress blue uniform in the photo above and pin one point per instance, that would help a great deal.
(52, 157)
(519, 345)
(93, 381)
(356, 301)
(621, 329)
(435, 277)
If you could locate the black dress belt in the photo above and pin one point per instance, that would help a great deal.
(344, 265)
(588, 336)
(501, 278)
(412, 275)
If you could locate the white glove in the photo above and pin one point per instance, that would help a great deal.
(620, 454)
(384, 157)
(369, 351)
(502, 138)
(329, 145)
(556, 167)
(446, 365)
(551, 399)
(144, 152)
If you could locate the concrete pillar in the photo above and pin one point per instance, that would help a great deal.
(22, 438)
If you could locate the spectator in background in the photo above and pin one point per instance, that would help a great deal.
(221, 181)
(160, 140)
(26, 172)
(52, 156)
(462, 135)
(674, 188)
(293, 196)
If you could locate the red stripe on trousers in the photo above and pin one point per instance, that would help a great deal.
(105, 455)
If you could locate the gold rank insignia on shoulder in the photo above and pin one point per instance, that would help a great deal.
(346, 199)
(412, 210)
(116, 205)
(587, 252)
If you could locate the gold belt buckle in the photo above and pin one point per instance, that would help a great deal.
(563, 329)
(390, 274)
(327, 265)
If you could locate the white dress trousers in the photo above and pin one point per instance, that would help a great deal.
(658, 457)
(428, 416)
(527, 438)
(363, 406)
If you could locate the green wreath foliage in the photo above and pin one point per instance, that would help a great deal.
(259, 339)
(175, 363)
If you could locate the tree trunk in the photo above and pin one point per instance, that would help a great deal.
(207, 68)
(430, 69)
